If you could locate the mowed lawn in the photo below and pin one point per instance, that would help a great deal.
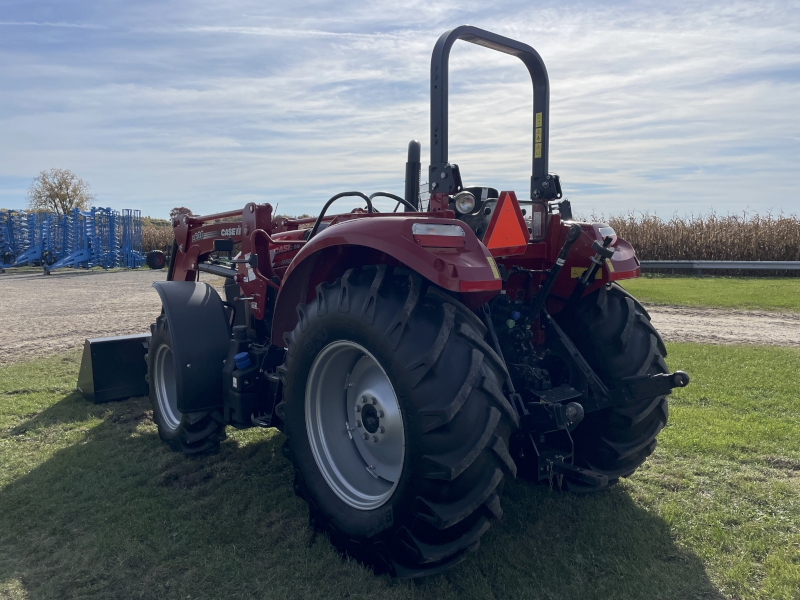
(746, 293)
(92, 505)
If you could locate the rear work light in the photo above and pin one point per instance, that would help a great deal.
(439, 235)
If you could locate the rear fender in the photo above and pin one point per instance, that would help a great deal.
(199, 332)
(622, 265)
(468, 271)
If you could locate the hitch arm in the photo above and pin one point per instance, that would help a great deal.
(544, 292)
(601, 393)
(586, 477)
(641, 387)
(602, 252)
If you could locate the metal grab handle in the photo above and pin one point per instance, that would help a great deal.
(331, 201)
(439, 173)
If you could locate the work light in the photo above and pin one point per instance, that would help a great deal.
(465, 202)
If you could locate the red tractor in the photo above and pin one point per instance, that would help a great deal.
(415, 359)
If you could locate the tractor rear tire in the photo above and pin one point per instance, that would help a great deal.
(188, 433)
(434, 487)
(613, 332)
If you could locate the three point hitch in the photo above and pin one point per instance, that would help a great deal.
(547, 420)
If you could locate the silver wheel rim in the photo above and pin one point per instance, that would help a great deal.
(166, 390)
(354, 425)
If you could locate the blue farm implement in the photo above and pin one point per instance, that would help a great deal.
(131, 248)
(99, 237)
(11, 240)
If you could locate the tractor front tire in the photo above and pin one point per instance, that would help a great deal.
(396, 422)
(613, 332)
(188, 433)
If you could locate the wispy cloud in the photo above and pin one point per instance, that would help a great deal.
(46, 24)
(285, 32)
(652, 108)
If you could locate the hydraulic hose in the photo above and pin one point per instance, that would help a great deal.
(331, 201)
(539, 300)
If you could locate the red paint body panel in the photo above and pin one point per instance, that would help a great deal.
(295, 267)
(390, 237)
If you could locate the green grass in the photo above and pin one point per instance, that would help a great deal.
(746, 293)
(92, 505)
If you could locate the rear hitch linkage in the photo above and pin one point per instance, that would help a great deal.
(562, 408)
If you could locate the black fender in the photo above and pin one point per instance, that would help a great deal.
(199, 331)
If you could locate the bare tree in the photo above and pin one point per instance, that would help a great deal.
(59, 191)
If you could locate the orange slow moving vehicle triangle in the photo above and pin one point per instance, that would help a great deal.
(507, 233)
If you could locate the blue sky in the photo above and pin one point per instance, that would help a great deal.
(658, 107)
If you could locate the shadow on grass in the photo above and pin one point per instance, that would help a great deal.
(73, 408)
(117, 515)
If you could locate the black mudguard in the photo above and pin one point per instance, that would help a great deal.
(199, 330)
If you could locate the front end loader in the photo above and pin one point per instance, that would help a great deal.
(415, 359)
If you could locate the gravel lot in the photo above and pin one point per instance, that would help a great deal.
(42, 315)
(720, 326)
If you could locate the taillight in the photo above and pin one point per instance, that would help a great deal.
(439, 235)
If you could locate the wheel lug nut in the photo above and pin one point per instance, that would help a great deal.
(358, 408)
(383, 429)
(374, 438)
(363, 399)
(380, 413)
(366, 436)
(358, 423)
(374, 401)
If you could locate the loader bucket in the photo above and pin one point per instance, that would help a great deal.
(114, 368)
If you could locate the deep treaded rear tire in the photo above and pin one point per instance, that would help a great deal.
(457, 423)
(613, 332)
(195, 433)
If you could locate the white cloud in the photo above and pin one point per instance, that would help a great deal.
(651, 109)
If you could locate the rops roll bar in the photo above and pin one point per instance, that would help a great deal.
(448, 183)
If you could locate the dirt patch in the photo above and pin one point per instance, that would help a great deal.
(42, 315)
(725, 326)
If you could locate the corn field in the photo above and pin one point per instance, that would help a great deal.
(710, 237)
(156, 237)
(702, 237)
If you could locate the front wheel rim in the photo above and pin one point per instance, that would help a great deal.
(166, 388)
(354, 425)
